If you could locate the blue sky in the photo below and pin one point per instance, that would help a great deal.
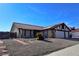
(38, 14)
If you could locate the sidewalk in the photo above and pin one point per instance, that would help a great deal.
(70, 51)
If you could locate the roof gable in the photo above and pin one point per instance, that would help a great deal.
(58, 25)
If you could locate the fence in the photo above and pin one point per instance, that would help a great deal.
(7, 35)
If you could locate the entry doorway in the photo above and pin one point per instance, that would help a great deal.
(35, 32)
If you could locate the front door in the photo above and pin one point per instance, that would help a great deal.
(35, 32)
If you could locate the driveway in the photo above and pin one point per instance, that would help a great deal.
(70, 51)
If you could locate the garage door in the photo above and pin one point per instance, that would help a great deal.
(59, 34)
(75, 35)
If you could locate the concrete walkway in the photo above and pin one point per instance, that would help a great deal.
(21, 42)
(70, 51)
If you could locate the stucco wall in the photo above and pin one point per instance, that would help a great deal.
(50, 33)
(15, 30)
(66, 33)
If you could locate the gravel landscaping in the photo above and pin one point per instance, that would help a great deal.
(36, 47)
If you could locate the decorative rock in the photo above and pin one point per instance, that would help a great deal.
(5, 55)
(2, 47)
(4, 51)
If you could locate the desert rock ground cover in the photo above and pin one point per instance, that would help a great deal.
(36, 47)
(3, 49)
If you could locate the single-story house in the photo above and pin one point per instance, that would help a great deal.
(75, 33)
(29, 31)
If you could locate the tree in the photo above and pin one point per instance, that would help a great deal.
(73, 28)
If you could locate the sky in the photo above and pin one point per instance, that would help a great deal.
(42, 14)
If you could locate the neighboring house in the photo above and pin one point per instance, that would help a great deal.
(29, 31)
(75, 33)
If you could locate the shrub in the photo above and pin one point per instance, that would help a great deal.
(39, 36)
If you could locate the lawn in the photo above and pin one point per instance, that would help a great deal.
(36, 47)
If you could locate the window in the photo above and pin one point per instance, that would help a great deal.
(27, 33)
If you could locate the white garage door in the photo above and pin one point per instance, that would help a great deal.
(59, 34)
(75, 35)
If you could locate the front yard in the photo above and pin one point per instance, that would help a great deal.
(36, 47)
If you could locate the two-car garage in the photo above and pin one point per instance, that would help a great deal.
(62, 34)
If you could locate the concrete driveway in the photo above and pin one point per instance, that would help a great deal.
(70, 51)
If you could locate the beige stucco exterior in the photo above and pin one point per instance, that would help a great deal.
(50, 33)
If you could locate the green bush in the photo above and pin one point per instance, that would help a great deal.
(39, 36)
